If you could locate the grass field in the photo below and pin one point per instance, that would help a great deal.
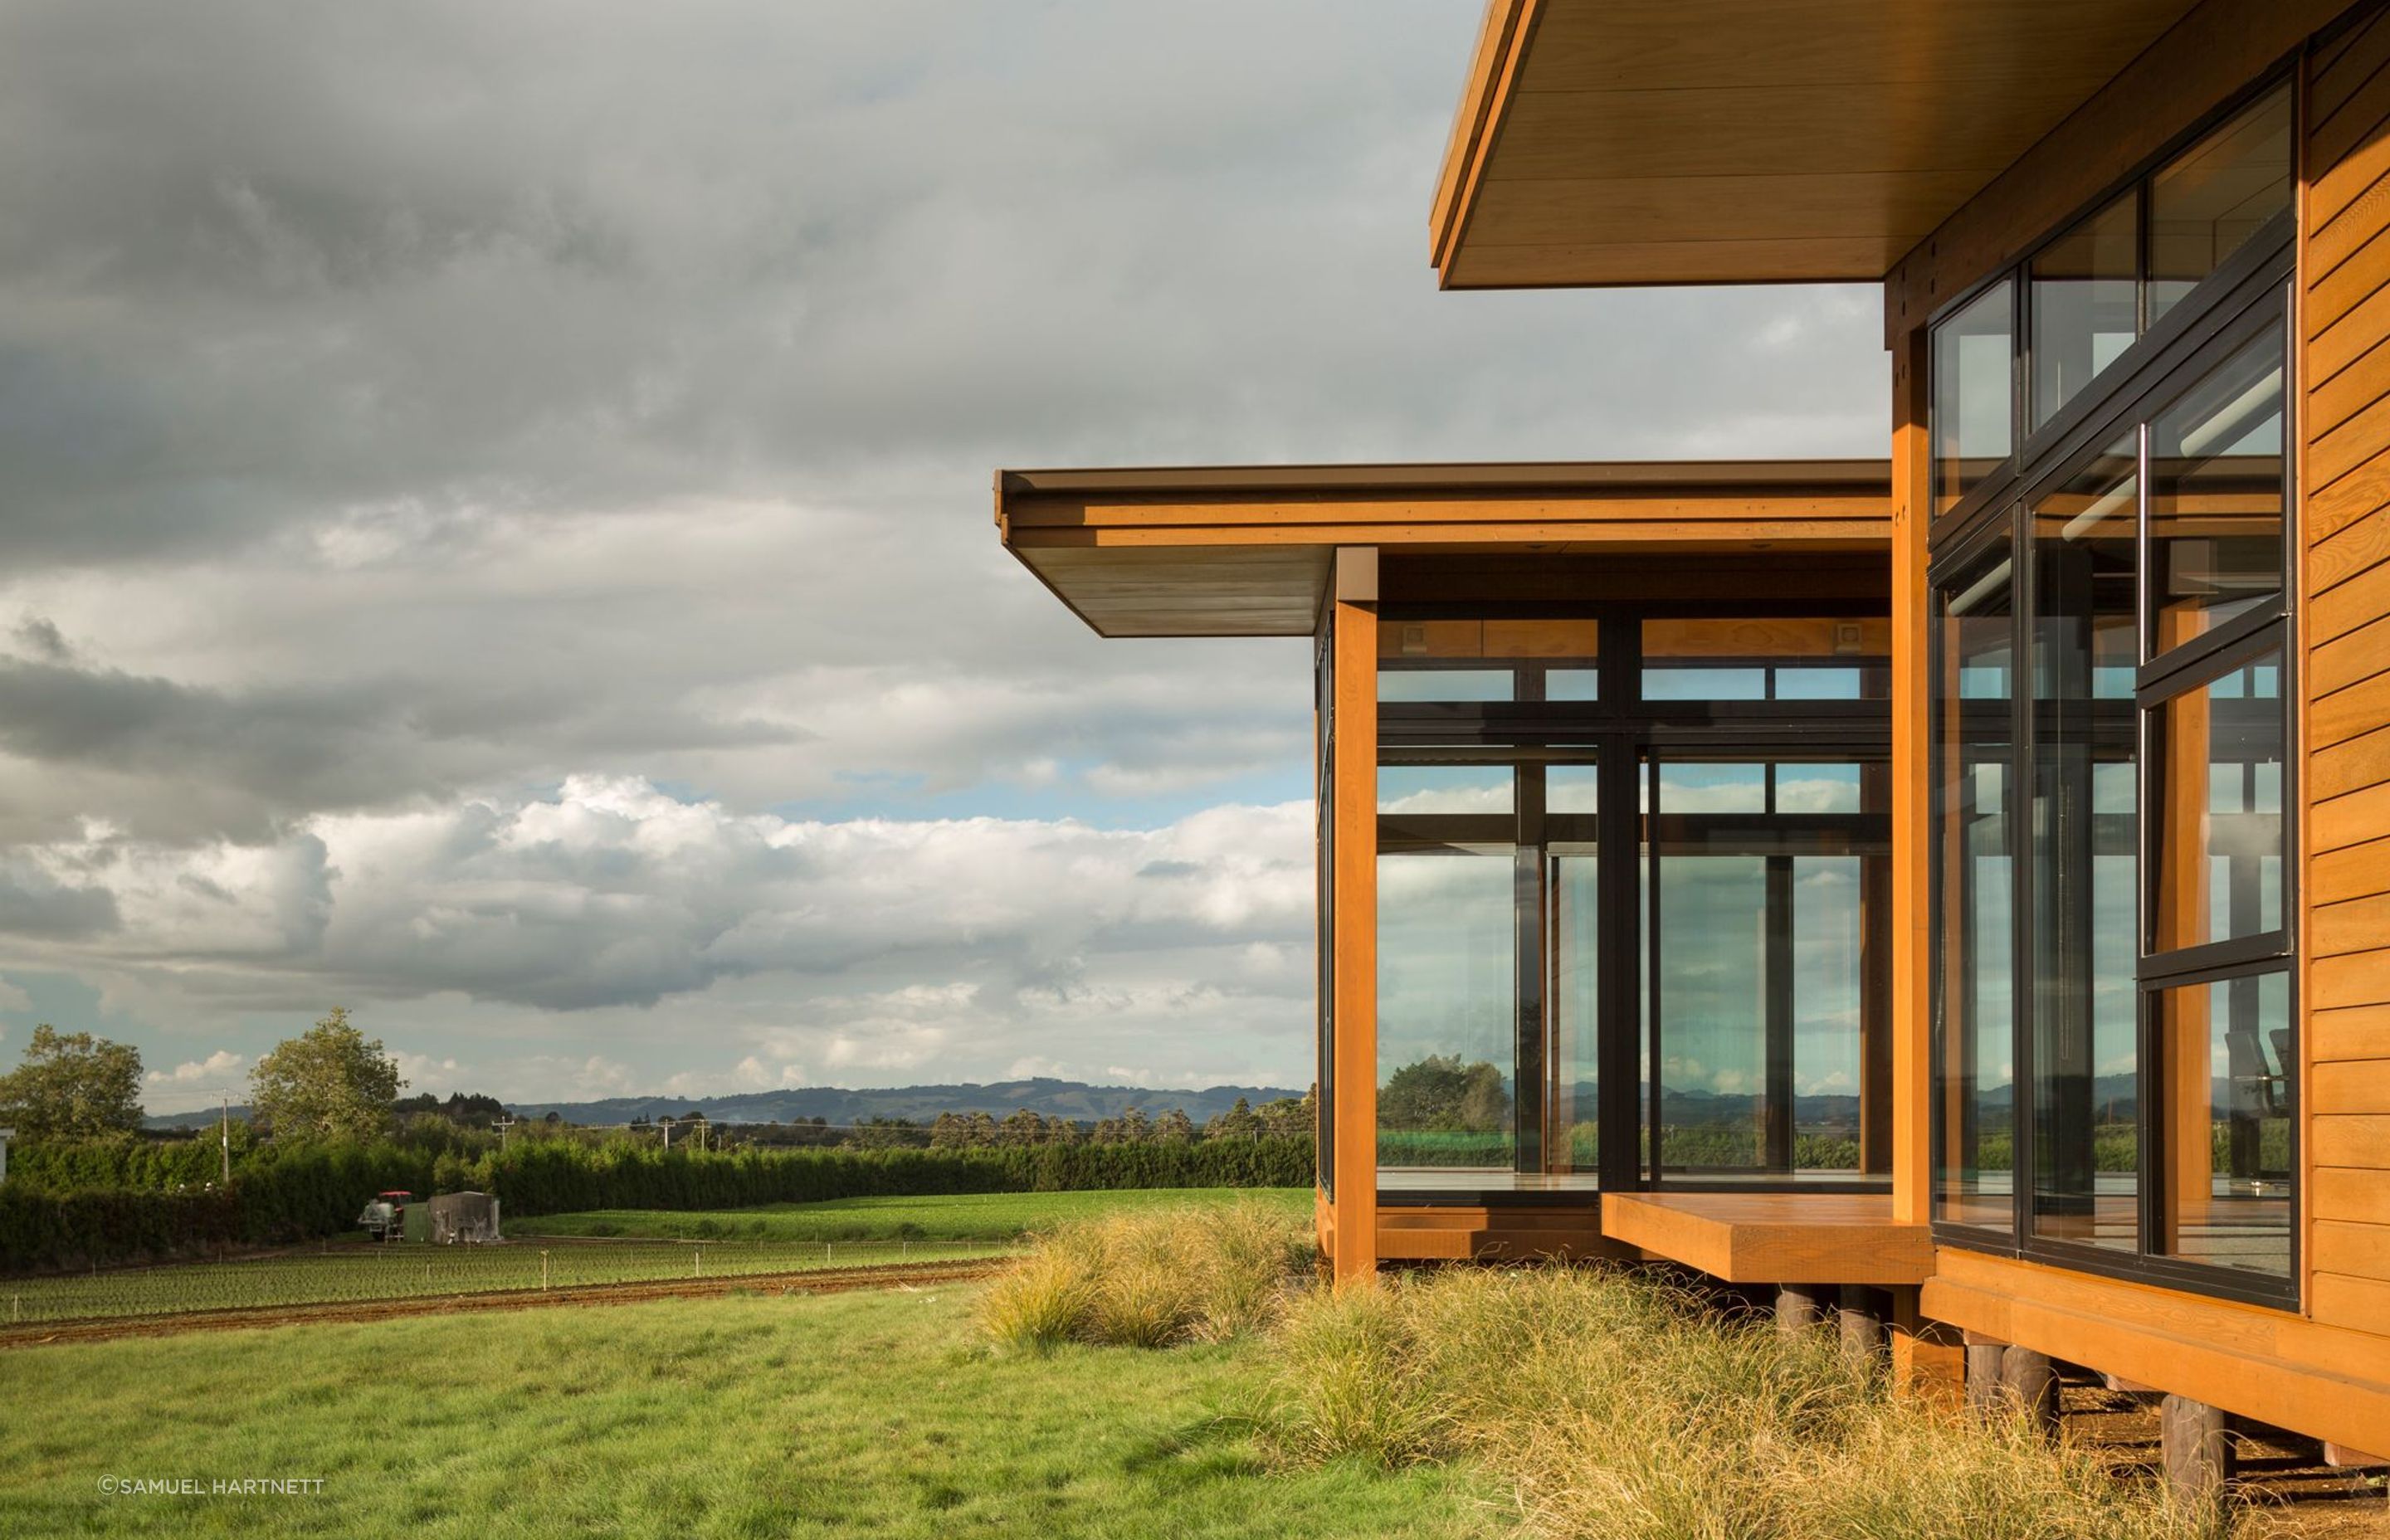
(875, 1414)
(968, 1216)
(344, 1275)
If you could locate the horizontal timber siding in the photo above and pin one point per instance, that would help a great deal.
(2345, 591)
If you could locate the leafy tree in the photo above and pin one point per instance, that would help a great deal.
(1440, 1093)
(1025, 1127)
(330, 1082)
(1174, 1128)
(1239, 1121)
(1290, 1117)
(71, 1084)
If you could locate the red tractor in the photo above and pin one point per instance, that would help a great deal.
(385, 1217)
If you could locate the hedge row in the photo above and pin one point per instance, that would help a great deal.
(57, 1217)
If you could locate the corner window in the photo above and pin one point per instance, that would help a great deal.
(1973, 388)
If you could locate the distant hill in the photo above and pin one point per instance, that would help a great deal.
(1052, 1098)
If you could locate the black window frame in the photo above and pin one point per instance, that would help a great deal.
(1621, 733)
(2247, 296)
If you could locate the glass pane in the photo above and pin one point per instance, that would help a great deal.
(1785, 658)
(1818, 788)
(2213, 197)
(1572, 789)
(1573, 684)
(2216, 496)
(2217, 764)
(1713, 789)
(2087, 1083)
(1970, 425)
(2229, 1058)
(1447, 1009)
(1397, 682)
(1444, 788)
(1572, 1119)
(1973, 852)
(1710, 990)
(1828, 992)
(2085, 304)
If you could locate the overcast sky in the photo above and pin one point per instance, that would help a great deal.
(494, 519)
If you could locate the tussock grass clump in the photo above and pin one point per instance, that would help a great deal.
(1623, 1408)
(1150, 1279)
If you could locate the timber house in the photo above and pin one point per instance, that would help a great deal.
(1951, 891)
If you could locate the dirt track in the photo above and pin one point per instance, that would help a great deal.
(820, 1280)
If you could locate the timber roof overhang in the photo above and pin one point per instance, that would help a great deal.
(1621, 142)
(1246, 550)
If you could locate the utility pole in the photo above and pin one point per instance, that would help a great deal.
(502, 1126)
(224, 1134)
(667, 1128)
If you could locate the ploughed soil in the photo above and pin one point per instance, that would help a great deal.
(2283, 1479)
(817, 1280)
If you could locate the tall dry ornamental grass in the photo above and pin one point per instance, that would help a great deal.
(1617, 1408)
(1200, 1274)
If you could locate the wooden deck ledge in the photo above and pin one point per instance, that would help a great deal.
(1774, 1237)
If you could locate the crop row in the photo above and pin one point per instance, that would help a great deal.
(354, 1274)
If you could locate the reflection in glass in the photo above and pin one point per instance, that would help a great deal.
(1447, 996)
(1776, 658)
(1571, 1118)
(2216, 752)
(2212, 198)
(1711, 987)
(1572, 789)
(1444, 788)
(1970, 419)
(2228, 1110)
(2086, 302)
(2215, 497)
(1818, 788)
(1398, 683)
(1973, 849)
(1697, 788)
(2087, 1080)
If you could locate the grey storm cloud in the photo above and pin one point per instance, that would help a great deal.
(410, 412)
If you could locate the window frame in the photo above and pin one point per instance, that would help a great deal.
(2247, 297)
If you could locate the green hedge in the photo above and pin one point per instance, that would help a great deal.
(62, 1197)
(40, 1228)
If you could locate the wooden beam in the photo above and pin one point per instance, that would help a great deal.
(1911, 830)
(1354, 958)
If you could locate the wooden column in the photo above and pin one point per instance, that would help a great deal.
(1354, 923)
(1911, 511)
(2198, 1452)
(1928, 1357)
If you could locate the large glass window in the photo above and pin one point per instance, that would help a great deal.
(1742, 960)
(1974, 390)
(2085, 297)
(1974, 922)
(2114, 1038)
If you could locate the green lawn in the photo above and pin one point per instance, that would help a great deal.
(968, 1216)
(874, 1414)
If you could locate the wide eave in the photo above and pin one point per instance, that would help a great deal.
(1246, 550)
(1618, 142)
